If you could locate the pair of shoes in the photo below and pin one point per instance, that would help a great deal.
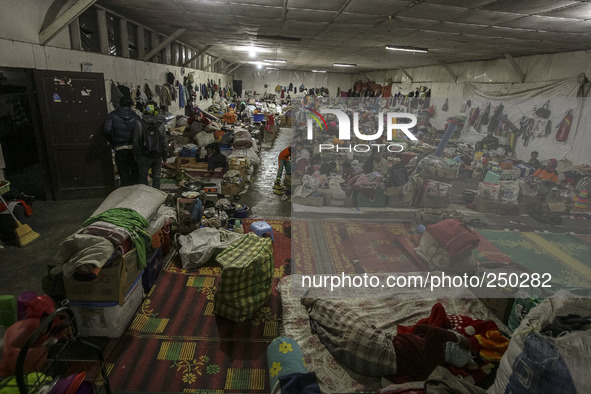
(277, 186)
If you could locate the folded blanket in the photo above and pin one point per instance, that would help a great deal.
(130, 220)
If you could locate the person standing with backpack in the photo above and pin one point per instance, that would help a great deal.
(149, 144)
(119, 132)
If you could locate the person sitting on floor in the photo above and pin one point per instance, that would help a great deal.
(547, 173)
(533, 161)
(214, 158)
(348, 171)
(375, 163)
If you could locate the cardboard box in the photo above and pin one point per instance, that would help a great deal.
(508, 209)
(111, 284)
(430, 216)
(239, 164)
(309, 201)
(338, 202)
(527, 203)
(400, 201)
(378, 200)
(486, 206)
(393, 191)
(232, 189)
(107, 319)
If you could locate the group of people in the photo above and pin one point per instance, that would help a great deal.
(139, 142)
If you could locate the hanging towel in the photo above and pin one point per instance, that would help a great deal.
(132, 222)
(182, 97)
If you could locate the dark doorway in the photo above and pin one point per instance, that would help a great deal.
(18, 137)
(237, 87)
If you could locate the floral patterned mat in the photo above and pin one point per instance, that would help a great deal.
(176, 344)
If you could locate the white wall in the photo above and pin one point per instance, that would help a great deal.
(20, 23)
(125, 71)
(255, 80)
(548, 77)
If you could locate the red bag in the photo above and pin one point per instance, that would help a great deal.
(564, 128)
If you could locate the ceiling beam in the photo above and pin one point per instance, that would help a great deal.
(229, 72)
(227, 67)
(284, 12)
(210, 65)
(405, 73)
(450, 71)
(163, 44)
(199, 53)
(515, 66)
(62, 21)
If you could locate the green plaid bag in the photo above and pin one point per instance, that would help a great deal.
(246, 277)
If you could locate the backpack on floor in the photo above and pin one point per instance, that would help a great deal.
(397, 175)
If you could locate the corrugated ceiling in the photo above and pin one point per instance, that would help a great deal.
(357, 31)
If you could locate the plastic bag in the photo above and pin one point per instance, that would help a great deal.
(488, 191)
(199, 246)
(509, 191)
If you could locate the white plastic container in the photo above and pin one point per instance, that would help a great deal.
(107, 319)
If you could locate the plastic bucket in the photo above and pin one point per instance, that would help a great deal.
(23, 298)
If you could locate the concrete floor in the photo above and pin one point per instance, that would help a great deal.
(22, 269)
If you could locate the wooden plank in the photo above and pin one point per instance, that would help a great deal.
(164, 43)
(515, 66)
(196, 55)
(63, 20)
(75, 39)
(141, 43)
(124, 38)
(450, 71)
(407, 74)
(103, 31)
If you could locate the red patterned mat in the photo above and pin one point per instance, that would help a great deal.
(176, 344)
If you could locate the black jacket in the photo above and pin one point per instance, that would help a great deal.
(119, 126)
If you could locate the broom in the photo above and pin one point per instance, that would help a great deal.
(23, 232)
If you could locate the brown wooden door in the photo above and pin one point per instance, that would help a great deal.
(73, 110)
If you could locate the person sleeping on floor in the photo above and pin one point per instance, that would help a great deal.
(413, 353)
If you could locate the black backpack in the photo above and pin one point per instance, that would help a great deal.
(151, 142)
(397, 176)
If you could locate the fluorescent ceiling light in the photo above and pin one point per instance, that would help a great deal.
(271, 68)
(258, 63)
(406, 49)
(252, 50)
(344, 65)
(318, 71)
(275, 61)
